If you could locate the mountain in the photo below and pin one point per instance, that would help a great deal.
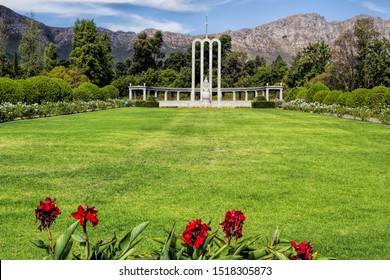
(283, 37)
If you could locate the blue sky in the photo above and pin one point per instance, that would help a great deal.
(188, 16)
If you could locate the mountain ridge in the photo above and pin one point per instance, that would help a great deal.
(285, 36)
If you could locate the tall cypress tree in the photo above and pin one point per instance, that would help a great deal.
(3, 49)
(31, 49)
(91, 52)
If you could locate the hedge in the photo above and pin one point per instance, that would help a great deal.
(263, 104)
(150, 104)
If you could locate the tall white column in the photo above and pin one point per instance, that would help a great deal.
(166, 96)
(281, 94)
(144, 93)
(201, 67)
(130, 92)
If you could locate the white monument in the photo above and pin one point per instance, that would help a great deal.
(206, 86)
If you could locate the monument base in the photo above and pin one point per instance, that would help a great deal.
(205, 104)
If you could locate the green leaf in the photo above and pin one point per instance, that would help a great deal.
(279, 255)
(78, 238)
(165, 251)
(40, 244)
(129, 238)
(255, 255)
(63, 241)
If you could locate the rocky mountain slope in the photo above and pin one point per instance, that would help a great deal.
(283, 37)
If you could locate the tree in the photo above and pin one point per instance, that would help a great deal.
(31, 49)
(3, 50)
(143, 55)
(377, 63)
(157, 42)
(251, 66)
(279, 68)
(15, 66)
(233, 66)
(308, 63)
(344, 60)
(91, 52)
(50, 57)
(365, 34)
(178, 60)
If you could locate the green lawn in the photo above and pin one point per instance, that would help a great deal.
(318, 178)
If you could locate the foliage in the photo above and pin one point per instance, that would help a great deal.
(149, 104)
(361, 112)
(263, 104)
(4, 67)
(332, 97)
(319, 96)
(91, 52)
(73, 75)
(308, 63)
(50, 57)
(109, 92)
(147, 53)
(31, 49)
(314, 89)
(196, 243)
(11, 91)
(357, 98)
(87, 92)
(10, 111)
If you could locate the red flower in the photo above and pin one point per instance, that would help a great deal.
(232, 225)
(304, 251)
(195, 233)
(86, 213)
(46, 213)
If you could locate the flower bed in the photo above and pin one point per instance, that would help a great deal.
(9, 111)
(197, 241)
(360, 113)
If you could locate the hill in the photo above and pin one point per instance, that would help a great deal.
(283, 37)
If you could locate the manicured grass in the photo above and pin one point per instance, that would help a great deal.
(318, 178)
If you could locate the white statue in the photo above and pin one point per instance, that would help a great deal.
(206, 94)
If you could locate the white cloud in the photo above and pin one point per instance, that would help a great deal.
(138, 23)
(121, 17)
(375, 8)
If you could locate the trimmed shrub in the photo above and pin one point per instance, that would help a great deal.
(302, 93)
(263, 104)
(153, 104)
(314, 89)
(41, 89)
(87, 92)
(260, 98)
(320, 95)
(11, 91)
(357, 98)
(374, 98)
(109, 92)
(65, 90)
(386, 97)
(332, 97)
(342, 99)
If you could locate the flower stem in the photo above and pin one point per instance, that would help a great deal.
(50, 239)
(86, 241)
